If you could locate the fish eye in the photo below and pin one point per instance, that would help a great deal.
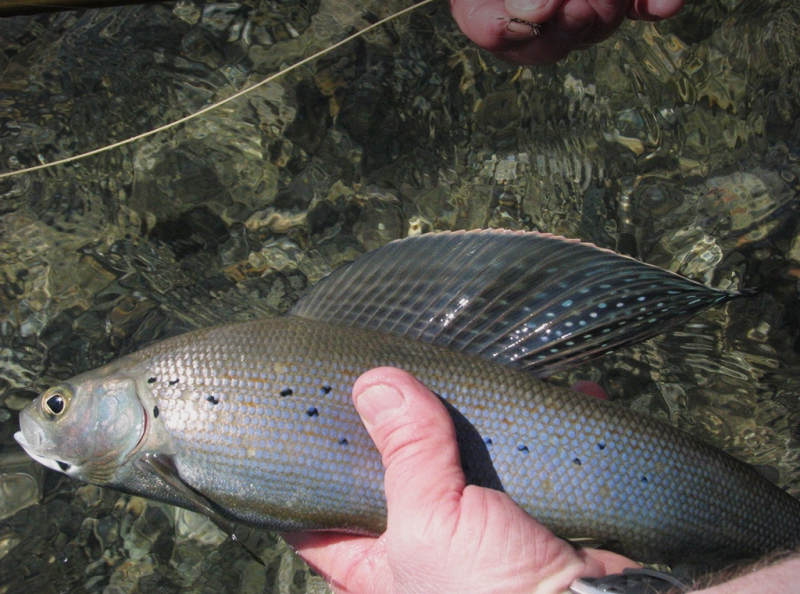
(55, 402)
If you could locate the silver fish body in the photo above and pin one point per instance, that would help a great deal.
(258, 417)
(254, 421)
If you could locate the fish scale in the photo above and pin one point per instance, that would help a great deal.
(303, 460)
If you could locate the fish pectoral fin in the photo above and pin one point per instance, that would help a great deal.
(164, 467)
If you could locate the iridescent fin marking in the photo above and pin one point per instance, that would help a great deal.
(529, 300)
(164, 467)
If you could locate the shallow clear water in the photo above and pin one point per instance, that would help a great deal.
(677, 143)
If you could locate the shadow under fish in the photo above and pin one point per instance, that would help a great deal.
(253, 422)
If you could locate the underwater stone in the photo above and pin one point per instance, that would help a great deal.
(276, 221)
(16, 402)
(379, 223)
(794, 249)
(744, 196)
(8, 540)
(417, 225)
(89, 495)
(694, 253)
(21, 482)
(193, 526)
(178, 180)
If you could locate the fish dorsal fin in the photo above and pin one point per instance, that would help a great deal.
(529, 300)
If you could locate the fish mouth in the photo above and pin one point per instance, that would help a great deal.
(56, 465)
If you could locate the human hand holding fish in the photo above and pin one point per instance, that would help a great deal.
(442, 535)
(545, 31)
(446, 536)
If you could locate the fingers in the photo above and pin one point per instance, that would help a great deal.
(415, 435)
(348, 562)
(423, 480)
(485, 22)
(536, 11)
(440, 533)
(570, 17)
(565, 24)
(610, 562)
(488, 24)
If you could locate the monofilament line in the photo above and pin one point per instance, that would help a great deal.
(236, 95)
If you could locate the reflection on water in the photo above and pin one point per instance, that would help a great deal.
(676, 143)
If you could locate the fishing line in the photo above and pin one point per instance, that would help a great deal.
(213, 106)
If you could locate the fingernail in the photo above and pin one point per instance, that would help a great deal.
(524, 6)
(519, 29)
(377, 402)
(659, 9)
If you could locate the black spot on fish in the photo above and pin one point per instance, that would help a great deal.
(576, 461)
(326, 389)
(487, 440)
(523, 448)
(286, 392)
(63, 465)
(312, 412)
(155, 412)
(343, 441)
(151, 380)
(644, 480)
(173, 382)
(601, 446)
(212, 400)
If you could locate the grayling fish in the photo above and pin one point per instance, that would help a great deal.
(253, 422)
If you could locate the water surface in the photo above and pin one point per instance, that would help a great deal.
(677, 143)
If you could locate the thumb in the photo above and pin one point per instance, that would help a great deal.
(415, 436)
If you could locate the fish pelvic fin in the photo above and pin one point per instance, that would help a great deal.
(164, 467)
(528, 300)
